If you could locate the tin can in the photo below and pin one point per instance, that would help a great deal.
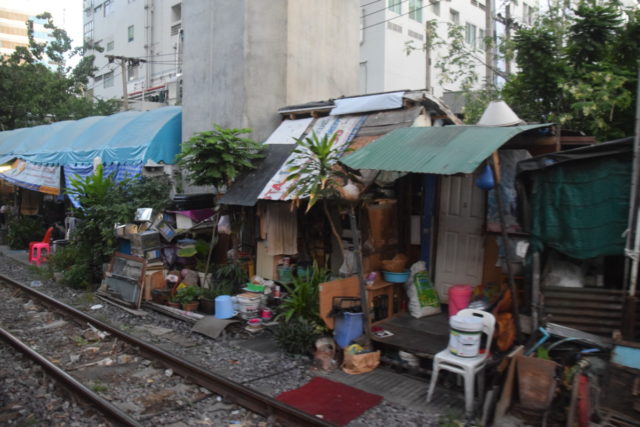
(266, 314)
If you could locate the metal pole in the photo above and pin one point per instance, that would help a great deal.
(505, 242)
(633, 236)
(364, 301)
(125, 95)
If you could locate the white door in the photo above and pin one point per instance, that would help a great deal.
(460, 250)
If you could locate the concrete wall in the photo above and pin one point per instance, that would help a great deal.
(244, 59)
(323, 50)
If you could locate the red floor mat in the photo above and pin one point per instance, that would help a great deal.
(336, 402)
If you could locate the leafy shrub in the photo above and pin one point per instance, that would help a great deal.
(302, 298)
(106, 202)
(229, 277)
(74, 266)
(24, 229)
(188, 294)
(218, 156)
(297, 336)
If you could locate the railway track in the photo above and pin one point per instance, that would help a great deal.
(95, 361)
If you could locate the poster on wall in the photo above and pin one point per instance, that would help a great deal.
(42, 178)
(345, 128)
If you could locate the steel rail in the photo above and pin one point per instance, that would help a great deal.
(112, 412)
(246, 397)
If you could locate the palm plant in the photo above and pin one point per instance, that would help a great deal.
(302, 300)
(316, 174)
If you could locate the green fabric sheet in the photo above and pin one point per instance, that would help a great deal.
(581, 209)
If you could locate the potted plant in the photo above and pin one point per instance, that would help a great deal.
(173, 302)
(188, 297)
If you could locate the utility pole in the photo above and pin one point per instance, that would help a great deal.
(488, 58)
(124, 62)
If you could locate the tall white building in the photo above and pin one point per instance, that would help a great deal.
(142, 42)
(13, 29)
(389, 27)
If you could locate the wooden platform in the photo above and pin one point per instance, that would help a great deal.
(423, 337)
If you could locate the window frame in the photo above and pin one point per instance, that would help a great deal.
(130, 33)
(470, 37)
(415, 10)
(108, 79)
(395, 6)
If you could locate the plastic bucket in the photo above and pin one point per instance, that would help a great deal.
(224, 307)
(459, 298)
(285, 275)
(464, 335)
(349, 326)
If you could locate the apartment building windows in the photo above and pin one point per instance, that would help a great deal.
(454, 16)
(130, 33)
(470, 34)
(415, 10)
(88, 31)
(108, 7)
(481, 39)
(395, 5)
(107, 80)
(527, 14)
(435, 8)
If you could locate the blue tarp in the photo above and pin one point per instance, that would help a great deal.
(130, 137)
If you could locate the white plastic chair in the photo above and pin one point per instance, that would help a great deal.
(468, 367)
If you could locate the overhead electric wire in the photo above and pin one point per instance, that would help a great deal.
(403, 14)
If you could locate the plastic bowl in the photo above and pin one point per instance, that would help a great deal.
(392, 277)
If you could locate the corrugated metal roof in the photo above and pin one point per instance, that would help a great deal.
(439, 150)
(246, 189)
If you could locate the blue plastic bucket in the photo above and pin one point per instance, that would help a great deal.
(224, 307)
(349, 326)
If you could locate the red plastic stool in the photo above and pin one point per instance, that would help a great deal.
(36, 254)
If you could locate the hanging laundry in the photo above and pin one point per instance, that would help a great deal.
(281, 227)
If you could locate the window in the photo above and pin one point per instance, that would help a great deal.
(132, 71)
(470, 34)
(110, 45)
(108, 7)
(415, 10)
(130, 33)
(394, 27)
(88, 31)
(435, 8)
(474, 2)
(481, 39)
(107, 80)
(395, 6)
(176, 12)
(415, 35)
(527, 13)
(454, 16)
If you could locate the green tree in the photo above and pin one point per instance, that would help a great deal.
(32, 93)
(218, 156)
(103, 203)
(578, 67)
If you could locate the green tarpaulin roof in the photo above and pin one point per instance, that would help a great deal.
(439, 150)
